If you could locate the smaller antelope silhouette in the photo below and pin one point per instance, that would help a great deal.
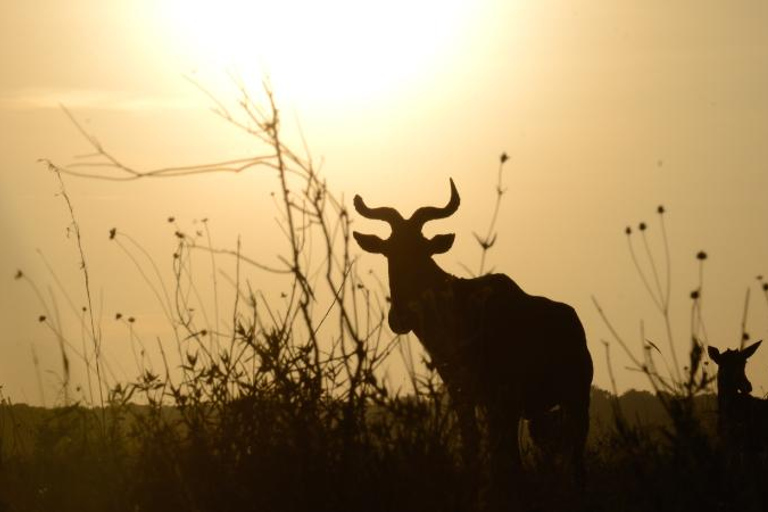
(498, 349)
(742, 418)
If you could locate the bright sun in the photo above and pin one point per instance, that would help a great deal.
(324, 50)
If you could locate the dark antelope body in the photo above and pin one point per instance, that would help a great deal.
(497, 349)
(742, 418)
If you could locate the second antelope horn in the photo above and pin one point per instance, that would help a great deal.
(427, 213)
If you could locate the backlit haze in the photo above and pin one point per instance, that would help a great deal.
(606, 110)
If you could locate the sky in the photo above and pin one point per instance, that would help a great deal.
(606, 110)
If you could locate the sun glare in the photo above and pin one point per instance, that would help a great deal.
(319, 50)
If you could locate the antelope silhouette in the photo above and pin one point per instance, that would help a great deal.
(742, 418)
(497, 349)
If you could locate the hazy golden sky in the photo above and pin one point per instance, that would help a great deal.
(607, 109)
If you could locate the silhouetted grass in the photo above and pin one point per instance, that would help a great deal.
(269, 454)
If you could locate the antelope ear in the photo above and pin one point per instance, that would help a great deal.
(369, 243)
(714, 354)
(439, 244)
(750, 350)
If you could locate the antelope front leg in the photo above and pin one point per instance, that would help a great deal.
(504, 454)
(470, 434)
(470, 446)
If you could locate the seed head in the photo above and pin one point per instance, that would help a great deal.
(695, 294)
(642, 226)
(701, 255)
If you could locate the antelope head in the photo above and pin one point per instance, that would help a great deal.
(409, 254)
(731, 377)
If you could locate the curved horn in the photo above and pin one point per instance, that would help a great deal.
(384, 213)
(427, 213)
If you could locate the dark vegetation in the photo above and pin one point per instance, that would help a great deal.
(282, 407)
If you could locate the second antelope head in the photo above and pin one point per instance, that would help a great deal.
(731, 376)
(409, 254)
